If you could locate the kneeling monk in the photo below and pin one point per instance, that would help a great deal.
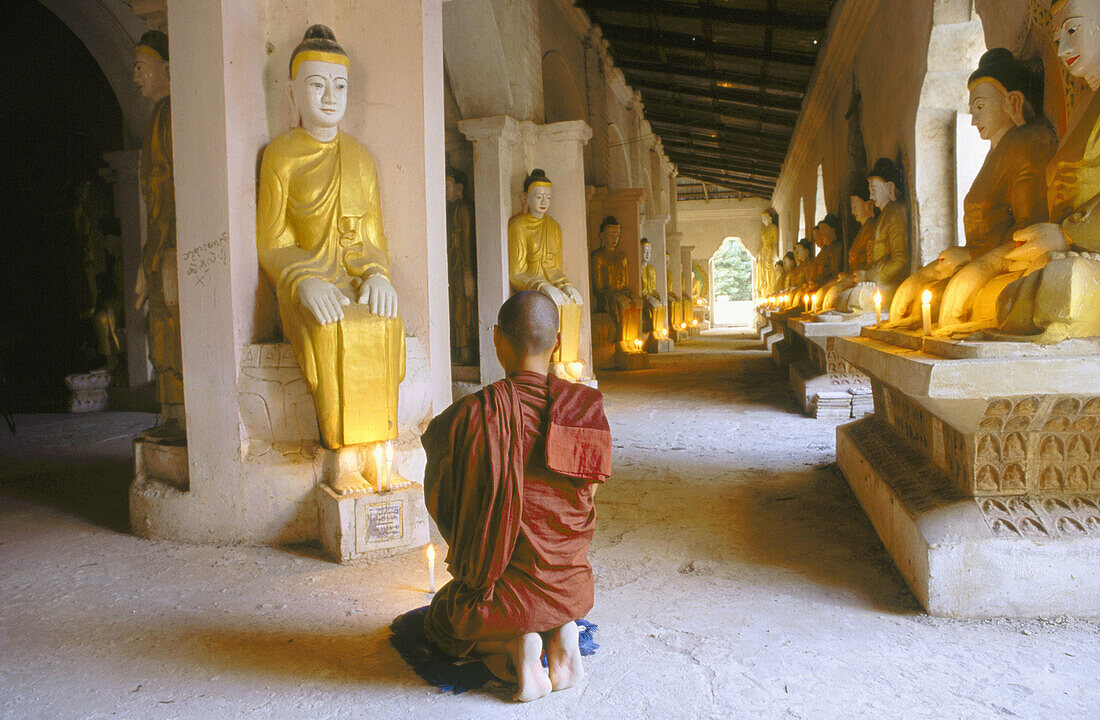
(510, 482)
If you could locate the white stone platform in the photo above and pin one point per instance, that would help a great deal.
(1016, 556)
(826, 386)
(981, 473)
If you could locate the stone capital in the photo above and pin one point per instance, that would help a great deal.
(497, 127)
(660, 219)
(566, 131)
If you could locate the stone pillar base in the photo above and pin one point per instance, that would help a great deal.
(994, 556)
(161, 462)
(631, 361)
(368, 526)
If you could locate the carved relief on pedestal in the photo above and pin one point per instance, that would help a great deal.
(275, 405)
(1027, 516)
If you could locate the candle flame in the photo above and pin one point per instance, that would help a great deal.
(378, 452)
(926, 297)
(389, 452)
(431, 554)
(878, 298)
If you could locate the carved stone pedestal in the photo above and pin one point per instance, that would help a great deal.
(981, 472)
(368, 526)
(656, 345)
(631, 360)
(826, 386)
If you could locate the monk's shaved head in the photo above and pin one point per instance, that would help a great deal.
(529, 322)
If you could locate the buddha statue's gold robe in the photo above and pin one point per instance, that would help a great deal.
(319, 216)
(1062, 298)
(534, 259)
(834, 294)
(158, 256)
(1008, 194)
(611, 290)
(654, 318)
(765, 261)
(887, 260)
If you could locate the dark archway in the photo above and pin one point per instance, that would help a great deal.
(59, 116)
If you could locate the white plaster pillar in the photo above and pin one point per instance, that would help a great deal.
(672, 241)
(653, 227)
(505, 151)
(686, 270)
(123, 174)
(494, 142)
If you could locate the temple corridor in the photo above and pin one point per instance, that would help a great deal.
(736, 576)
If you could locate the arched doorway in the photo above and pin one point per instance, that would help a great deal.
(60, 252)
(732, 273)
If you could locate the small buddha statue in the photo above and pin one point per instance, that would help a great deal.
(778, 270)
(888, 260)
(611, 284)
(829, 260)
(157, 278)
(321, 242)
(863, 210)
(769, 248)
(535, 263)
(461, 270)
(654, 316)
(783, 279)
(798, 280)
(1058, 298)
(1008, 194)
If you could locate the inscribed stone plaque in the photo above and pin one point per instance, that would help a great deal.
(384, 521)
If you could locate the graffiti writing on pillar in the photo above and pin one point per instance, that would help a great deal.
(201, 260)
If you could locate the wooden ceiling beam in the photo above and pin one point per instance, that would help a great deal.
(728, 15)
(789, 105)
(633, 66)
(651, 39)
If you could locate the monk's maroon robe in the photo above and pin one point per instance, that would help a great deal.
(507, 482)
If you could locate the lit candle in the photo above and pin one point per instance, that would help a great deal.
(878, 307)
(638, 344)
(389, 465)
(806, 301)
(378, 466)
(431, 568)
(576, 369)
(926, 311)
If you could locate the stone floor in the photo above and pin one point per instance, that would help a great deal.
(736, 577)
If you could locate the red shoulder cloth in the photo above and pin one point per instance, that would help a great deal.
(578, 441)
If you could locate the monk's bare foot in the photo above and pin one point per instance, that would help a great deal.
(526, 653)
(563, 655)
(349, 483)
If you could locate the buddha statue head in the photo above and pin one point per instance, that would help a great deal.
(456, 184)
(769, 217)
(151, 65)
(788, 260)
(537, 193)
(884, 183)
(826, 231)
(319, 82)
(862, 207)
(647, 250)
(1077, 37)
(802, 251)
(1003, 94)
(610, 232)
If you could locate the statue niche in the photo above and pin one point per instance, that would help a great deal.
(321, 242)
(611, 286)
(535, 263)
(769, 248)
(461, 270)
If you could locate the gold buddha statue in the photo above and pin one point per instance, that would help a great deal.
(654, 316)
(863, 210)
(611, 285)
(829, 260)
(1058, 298)
(461, 270)
(888, 258)
(157, 278)
(535, 263)
(769, 248)
(799, 278)
(1008, 194)
(675, 302)
(320, 240)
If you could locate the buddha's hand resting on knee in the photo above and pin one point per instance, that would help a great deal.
(1035, 241)
(573, 294)
(553, 293)
(323, 299)
(378, 295)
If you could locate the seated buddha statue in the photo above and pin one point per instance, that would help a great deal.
(535, 263)
(799, 278)
(1009, 193)
(829, 260)
(611, 285)
(654, 316)
(321, 242)
(1058, 298)
(777, 278)
(863, 210)
(888, 260)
